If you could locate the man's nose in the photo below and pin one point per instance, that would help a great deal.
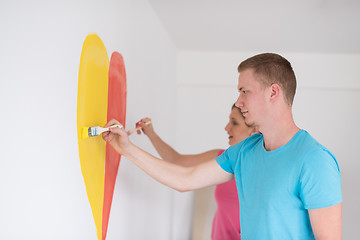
(239, 103)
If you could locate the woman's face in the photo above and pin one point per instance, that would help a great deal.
(236, 127)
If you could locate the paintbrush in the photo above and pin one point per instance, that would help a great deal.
(96, 131)
(137, 129)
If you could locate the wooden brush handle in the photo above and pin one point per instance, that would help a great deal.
(137, 129)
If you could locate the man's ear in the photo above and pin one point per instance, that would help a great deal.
(274, 91)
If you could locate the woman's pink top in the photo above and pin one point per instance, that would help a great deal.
(226, 223)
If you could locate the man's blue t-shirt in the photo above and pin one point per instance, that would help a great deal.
(277, 187)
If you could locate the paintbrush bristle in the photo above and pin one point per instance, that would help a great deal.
(89, 131)
(93, 132)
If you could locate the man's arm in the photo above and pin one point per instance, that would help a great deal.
(178, 177)
(326, 222)
(168, 153)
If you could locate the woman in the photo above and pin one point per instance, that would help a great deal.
(226, 223)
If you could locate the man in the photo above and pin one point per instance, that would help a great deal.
(288, 184)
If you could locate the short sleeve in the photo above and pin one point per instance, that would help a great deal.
(320, 184)
(228, 158)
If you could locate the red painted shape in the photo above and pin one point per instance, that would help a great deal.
(117, 110)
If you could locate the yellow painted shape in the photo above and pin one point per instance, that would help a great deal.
(92, 111)
(84, 132)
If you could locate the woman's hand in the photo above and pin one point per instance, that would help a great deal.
(147, 129)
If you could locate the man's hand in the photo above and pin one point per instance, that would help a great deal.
(117, 137)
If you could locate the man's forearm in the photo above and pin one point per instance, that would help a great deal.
(178, 177)
(167, 173)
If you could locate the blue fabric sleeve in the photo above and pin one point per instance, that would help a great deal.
(229, 157)
(320, 184)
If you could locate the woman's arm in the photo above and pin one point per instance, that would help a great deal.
(168, 153)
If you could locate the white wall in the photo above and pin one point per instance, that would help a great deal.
(42, 189)
(43, 193)
(326, 104)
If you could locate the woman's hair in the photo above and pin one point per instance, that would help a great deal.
(234, 106)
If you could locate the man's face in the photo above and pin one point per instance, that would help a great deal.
(236, 127)
(252, 98)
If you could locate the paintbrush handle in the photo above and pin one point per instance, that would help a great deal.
(108, 128)
(101, 129)
(137, 129)
(118, 125)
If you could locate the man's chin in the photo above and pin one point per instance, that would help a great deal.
(249, 123)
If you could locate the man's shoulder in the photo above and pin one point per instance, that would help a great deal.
(314, 152)
(244, 145)
(249, 142)
(254, 139)
(309, 143)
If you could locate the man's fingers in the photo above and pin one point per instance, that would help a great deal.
(106, 136)
(117, 130)
(112, 122)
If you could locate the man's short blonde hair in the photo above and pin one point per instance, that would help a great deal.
(270, 68)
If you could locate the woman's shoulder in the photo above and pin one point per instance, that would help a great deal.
(220, 151)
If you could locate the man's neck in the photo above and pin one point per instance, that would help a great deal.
(278, 132)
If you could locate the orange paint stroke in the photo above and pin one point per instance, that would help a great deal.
(117, 110)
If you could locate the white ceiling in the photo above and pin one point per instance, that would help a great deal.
(322, 26)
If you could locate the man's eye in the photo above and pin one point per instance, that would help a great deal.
(244, 91)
